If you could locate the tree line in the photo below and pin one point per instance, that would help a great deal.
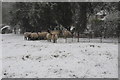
(38, 16)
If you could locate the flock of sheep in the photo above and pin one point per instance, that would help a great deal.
(51, 36)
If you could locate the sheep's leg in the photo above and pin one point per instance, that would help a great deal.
(36, 38)
(32, 38)
(54, 41)
(72, 38)
(28, 38)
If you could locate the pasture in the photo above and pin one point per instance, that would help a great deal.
(43, 59)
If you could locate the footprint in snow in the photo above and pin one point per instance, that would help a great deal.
(92, 45)
(64, 55)
(56, 56)
(97, 65)
(24, 45)
(26, 74)
(25, 57)
(78, 62)
(99, 46)
(5, 73)
(60, 51)
(45, 47)
(73, 76)
(104, 73)
(83, 59)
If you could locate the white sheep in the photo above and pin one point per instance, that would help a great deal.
(55, 32)
(33, 36)
(42, 35)
(49, 37)
(66, 34)
(27, 35)
(54, 38)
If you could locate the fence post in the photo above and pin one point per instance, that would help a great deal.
(78, 37)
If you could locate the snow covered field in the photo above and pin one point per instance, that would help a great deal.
(0, 57)
(42, 59)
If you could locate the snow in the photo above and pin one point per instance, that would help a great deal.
(101, 12)
(1, 57)
(42, 59)
(5, 27)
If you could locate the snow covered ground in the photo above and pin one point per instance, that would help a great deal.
(0, 57)
(42, 59)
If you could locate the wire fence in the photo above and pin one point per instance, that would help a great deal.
(89, 40)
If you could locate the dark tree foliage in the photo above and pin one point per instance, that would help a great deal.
(39, 16)
(63, 14)
(81, 22)
(119, 19)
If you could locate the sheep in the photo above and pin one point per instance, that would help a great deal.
(66, 34)
(27, 35)
(72, 30)
(49, 36)
(33, 36)
(42, 35)
(54, 38)
(57, 32)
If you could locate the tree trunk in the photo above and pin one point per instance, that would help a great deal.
(82, 19)
(78, 37)
(101, 38)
